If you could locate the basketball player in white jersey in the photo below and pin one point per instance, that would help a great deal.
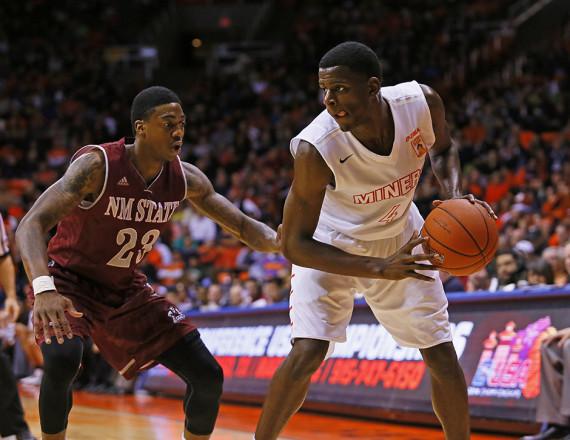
(350, 225)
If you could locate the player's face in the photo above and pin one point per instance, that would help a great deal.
(164, 130)
(348, 95)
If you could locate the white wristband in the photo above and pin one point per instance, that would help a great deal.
(42, 284)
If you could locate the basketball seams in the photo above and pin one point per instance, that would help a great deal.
(465, 229)
(447, 247)
(450, 242)
(482, 215)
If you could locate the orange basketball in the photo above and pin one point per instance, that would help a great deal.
(464, 233)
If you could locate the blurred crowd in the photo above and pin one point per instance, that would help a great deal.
(511, 125)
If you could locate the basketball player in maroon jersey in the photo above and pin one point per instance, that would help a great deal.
(109, 208)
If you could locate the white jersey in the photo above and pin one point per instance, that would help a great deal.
(372, 193)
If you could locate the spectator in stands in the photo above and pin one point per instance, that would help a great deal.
(553, 406)
(510, 268)
(215, 296)
(201, 228)
(554, 255)
(478, 281)
(273, 292)
(253, 292)
(567, 261)
(236, 296)
(539, 273)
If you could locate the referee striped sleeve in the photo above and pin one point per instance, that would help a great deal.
(4, 248)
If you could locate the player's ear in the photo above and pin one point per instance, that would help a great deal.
(373, 85)
(140, 127)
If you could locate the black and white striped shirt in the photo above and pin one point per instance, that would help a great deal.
(4, 245)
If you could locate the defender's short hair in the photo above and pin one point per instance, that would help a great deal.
(354, 55)
(148, 99)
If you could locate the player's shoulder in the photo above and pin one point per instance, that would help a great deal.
(402, 92)
(92, 158)
(103, 151)
(432, 97)
(319, 128)
(412, 91)
(197, 183)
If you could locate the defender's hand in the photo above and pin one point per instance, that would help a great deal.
(403, 264)
(49, 311)
(473, 200)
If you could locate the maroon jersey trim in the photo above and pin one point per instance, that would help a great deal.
(88, 205)
(184, 176)
(147, 187)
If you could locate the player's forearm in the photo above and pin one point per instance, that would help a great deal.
(8, 276)
(316, 255)
(30, 239)
(447, 168)
(246, 229)
(257, 235)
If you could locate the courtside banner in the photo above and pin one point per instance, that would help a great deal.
(497, 337)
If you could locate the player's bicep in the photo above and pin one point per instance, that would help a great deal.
(84, 176)
(305, 199)
(201, 194)
(197, 183)
(441, 130)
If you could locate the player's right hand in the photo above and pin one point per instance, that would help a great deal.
(403, 264)
(49, 312)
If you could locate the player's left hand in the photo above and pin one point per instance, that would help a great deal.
(473, 200)
(12, 308)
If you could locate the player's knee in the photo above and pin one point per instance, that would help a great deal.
(306, 356)
(441, 360)
(61, 361)
(215, 380)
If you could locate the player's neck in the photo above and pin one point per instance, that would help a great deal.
(146, 165)
(375, 133)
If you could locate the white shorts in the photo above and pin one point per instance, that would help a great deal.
(413, 311)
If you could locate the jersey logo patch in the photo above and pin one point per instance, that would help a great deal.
(346, 158)
(123, 182)
(175, 314)
(417, 143)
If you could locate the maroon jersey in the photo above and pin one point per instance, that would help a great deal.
(104, 240)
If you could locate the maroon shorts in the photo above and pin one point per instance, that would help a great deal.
(131, 328)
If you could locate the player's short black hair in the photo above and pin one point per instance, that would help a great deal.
(148, 99)
(354, 55)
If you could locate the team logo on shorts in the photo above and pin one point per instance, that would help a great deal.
(175, 314)
(416, 141)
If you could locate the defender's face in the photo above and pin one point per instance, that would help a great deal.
(164, 130)
(347, 95)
